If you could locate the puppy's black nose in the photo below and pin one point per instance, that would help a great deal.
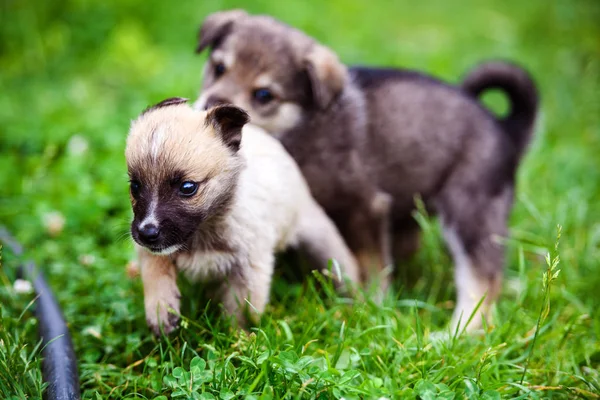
(149, 232)
(213, 101)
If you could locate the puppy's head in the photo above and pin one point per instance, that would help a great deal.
(277, 73)
(183, 167)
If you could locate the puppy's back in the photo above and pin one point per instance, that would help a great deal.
(422, 118)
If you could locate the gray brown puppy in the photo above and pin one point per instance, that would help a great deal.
(215, 199)
(368, 140)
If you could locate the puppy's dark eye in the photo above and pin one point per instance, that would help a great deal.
(219, 69)
(188, 188)
(135, 187)
(263, 95)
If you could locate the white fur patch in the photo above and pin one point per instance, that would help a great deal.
(266, 81)
(163, 252)
(157, 140)
(219, 56)
(201, 102)
(288, 116)
(469, 287)
(168, 250)
(151, 214)
(263, 80)
(202, 266)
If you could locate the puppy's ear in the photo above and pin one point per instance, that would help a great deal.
(216, 26)
(327, 74)
(228, 121)
(172, 101)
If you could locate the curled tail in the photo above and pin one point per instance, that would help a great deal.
(521, 91)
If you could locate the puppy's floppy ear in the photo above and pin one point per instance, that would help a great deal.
(327, 74)
(228, 121)
(172, 101)
(215, 26)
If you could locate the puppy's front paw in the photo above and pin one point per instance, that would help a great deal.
(162, 309)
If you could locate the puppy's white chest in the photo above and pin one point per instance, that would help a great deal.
(205, 265)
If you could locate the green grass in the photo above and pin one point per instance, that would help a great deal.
(84, 69)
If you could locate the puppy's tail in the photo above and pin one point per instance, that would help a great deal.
(521, 91)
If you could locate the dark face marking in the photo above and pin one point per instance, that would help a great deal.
(135, 188)
(176, 205)
(168, 207)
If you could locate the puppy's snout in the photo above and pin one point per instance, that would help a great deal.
(213, 101)
(149, 233)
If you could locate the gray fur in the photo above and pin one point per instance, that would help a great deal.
(383, 136)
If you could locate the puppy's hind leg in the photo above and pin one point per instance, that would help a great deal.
(476, 287)
(474, 239)
(406, 235)
(407, 239)
(320, 239)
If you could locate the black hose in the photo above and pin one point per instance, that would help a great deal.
(59, 366)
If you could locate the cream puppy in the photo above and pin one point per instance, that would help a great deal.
(216, 201)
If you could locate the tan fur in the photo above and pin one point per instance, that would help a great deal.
(328, 74)
(161, 294)
(251, 203)
(179, 151)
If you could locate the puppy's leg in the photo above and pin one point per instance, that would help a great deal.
(474, 235)
(320, 239)
(406, 239)
(475, 281)
(369, 238)
(247, 289)
(159, 277)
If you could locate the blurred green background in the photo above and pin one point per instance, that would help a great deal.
(86, 68)
(74, 73)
